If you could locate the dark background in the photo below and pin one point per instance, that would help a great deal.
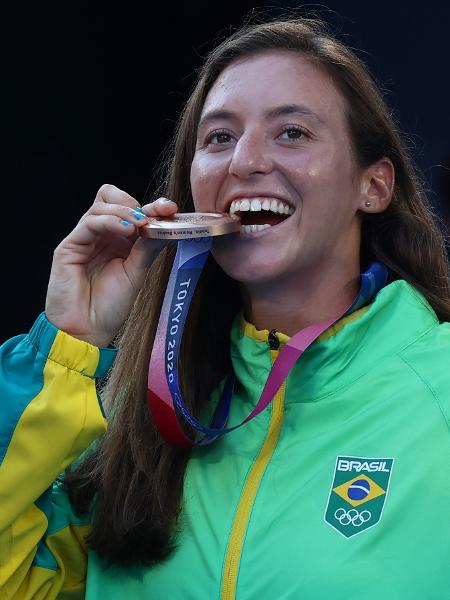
(92, 95)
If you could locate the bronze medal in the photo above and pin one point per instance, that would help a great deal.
(190, 225)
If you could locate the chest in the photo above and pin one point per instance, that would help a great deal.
(316, 500)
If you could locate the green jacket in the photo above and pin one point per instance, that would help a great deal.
(339, 489)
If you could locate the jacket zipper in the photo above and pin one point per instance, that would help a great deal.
(251, 486)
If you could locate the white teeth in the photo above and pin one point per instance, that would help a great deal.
(253, 228)
(258, 204)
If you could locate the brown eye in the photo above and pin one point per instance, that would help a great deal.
(222, 138)
(218, 138)
(293, 133)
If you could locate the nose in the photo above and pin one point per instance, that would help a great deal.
(250, 156)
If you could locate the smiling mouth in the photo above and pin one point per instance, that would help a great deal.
(257, 214)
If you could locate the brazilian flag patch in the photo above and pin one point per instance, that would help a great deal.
(358, 493)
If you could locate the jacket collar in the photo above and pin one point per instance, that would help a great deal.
(344, 352)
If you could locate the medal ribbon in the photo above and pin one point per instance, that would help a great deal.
(164, 397)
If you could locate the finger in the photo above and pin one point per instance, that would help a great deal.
(111, 194)
(133, 215)
(94, 226)
(162, 207)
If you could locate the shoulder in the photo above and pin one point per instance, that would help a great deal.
(428, 357)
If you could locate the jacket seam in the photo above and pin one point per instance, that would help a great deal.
(429, 388)
(369, 369)
(420, 298)
(83, 426)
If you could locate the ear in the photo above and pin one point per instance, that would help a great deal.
(377, 186)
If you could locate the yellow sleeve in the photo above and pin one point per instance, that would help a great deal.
(50, 414)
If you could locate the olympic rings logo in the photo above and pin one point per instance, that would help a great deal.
(356, 518)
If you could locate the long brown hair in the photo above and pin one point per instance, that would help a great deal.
(133, 481)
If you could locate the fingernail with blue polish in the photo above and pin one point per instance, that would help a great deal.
(138, 214)
(139, 210)
(124, 223)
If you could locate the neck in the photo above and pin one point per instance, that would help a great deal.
(291, 305)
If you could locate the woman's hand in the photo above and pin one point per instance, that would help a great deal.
(99, 268)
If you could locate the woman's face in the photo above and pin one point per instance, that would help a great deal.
(273, 147)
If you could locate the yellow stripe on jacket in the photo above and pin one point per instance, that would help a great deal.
(42, 551)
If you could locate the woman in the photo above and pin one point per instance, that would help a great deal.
(295, 503)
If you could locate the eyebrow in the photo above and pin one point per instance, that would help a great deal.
(271, 113)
